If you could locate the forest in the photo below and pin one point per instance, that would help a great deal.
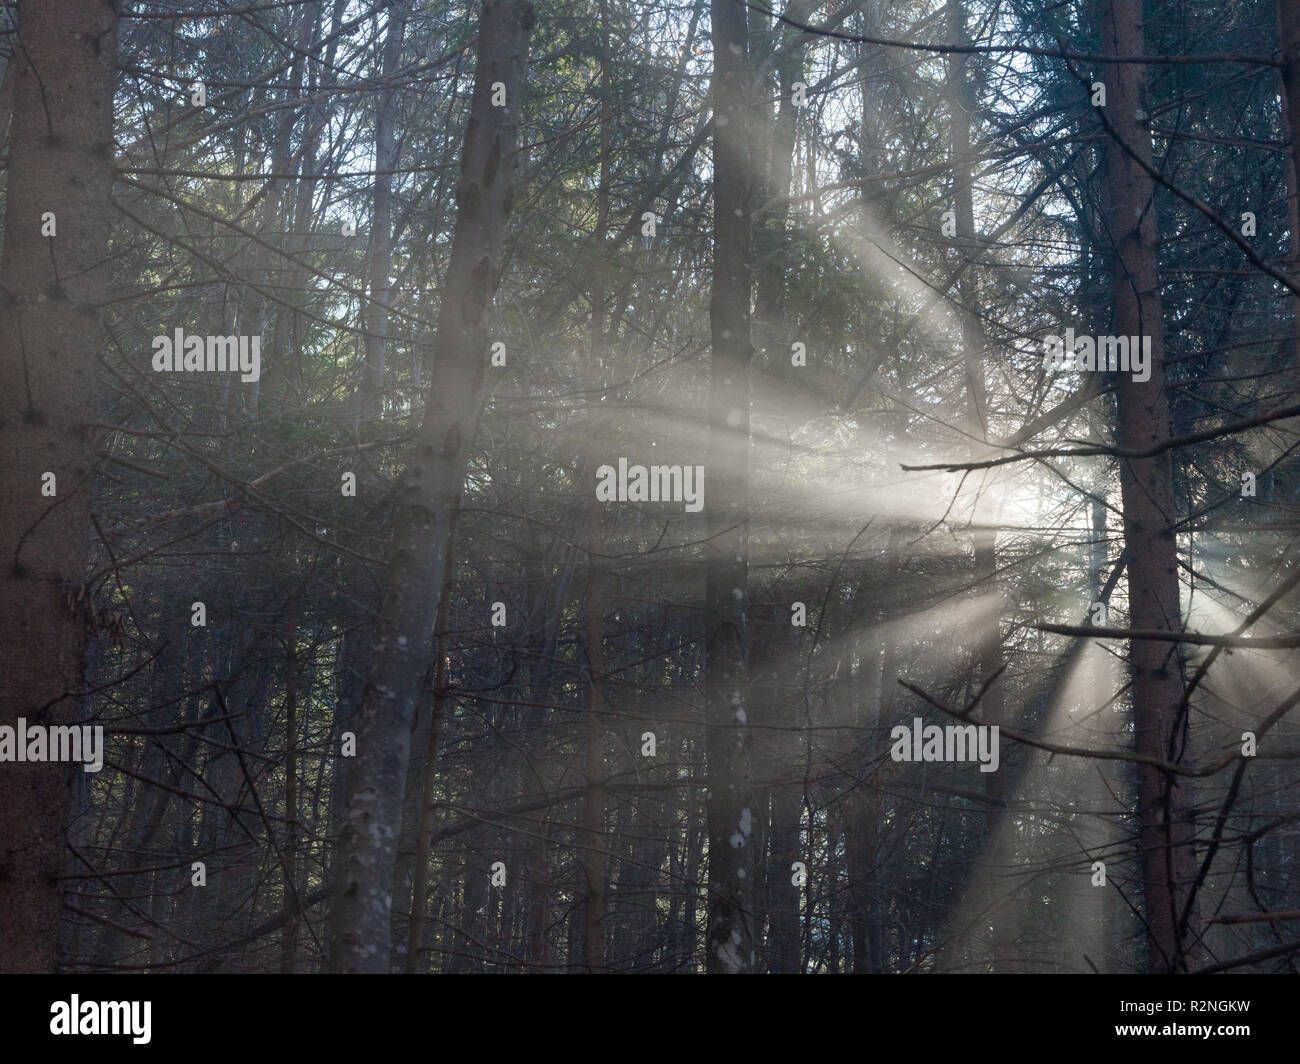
(680, 486)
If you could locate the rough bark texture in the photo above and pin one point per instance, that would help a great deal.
(733, 810)
(60, 161)
(427, 500)
(1148, 494)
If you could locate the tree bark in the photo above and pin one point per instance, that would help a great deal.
(593, 802)
(988, 649)
(427, 500)
(733, 811)
(1148, 494)
(61, 161)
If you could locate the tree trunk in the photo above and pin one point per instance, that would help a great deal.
(1148, 494)
(988, 649)
(733, 811)
(429, 496)
(593, 802)
(60, 161)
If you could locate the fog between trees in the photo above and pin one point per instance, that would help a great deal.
(617, 486)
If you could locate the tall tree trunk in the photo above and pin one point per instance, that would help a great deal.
(358, 644)
(776, 896)
(593, 802)
(429, 496)
(60, 161)
(988, 649)
(863, 803)
(780, 802)
(733, 811)
(1148, 493)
